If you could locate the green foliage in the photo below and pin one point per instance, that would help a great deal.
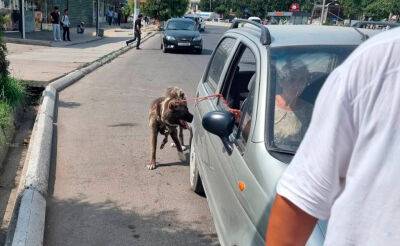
(5, 115)
(354, 9)
(12, 91)
(165, 9)
(127, 10)
(3, 50)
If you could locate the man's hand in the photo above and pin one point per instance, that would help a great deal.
(288, 224)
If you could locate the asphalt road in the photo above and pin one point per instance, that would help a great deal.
(102, 192)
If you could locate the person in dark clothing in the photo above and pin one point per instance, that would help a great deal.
(66, 24)
(137, 32)
(55, 20)
(119, 17)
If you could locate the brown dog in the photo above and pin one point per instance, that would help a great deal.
(165, 116)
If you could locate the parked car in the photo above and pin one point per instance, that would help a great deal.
(181, 33)
(201, 25)
(238, 160)
(376, 24)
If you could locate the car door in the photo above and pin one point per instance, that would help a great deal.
(238, 89)
(225, 208)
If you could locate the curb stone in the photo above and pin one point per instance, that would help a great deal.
(29, 214)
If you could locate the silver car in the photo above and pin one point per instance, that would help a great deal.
(243, 137)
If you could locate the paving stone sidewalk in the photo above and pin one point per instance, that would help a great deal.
(43, 64)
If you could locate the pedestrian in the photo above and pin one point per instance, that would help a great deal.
(115, 18)
(109, 16)
(137, 32)
(55, 21)
(119, 17)
(66, 24)
(347, 166)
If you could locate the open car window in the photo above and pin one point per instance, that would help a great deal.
(238, 90)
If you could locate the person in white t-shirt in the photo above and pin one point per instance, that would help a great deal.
(347, 168)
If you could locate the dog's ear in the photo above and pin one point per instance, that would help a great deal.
(172, 104)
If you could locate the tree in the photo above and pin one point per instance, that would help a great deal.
(164, 9)
(380, 9)
(221, 10)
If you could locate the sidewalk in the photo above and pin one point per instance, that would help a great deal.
(42, 64)
(45, 38)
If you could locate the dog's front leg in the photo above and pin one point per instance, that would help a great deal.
(190, 134)
(154, 134)
(174, 136)
(181, 138)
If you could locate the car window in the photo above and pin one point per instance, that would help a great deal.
(181, 25)
(218, 61)
(297, 75)
(238, 90)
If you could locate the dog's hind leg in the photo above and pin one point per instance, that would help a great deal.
(165, 140)
(174, 136)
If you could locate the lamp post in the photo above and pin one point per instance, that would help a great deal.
(135, 12)
(97, 18)
(322, 12)
(22, 18)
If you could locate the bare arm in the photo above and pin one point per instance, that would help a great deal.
(288, 224)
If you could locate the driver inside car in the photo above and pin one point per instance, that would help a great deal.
(292, 114)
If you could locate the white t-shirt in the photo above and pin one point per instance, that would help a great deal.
(347, 167)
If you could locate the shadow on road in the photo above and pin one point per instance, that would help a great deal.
(80, 222)
(64, 104)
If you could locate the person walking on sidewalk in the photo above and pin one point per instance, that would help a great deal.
(138, 32)
(66, 24)
(347, 166)
(55, 20)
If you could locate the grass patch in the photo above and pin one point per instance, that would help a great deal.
(12, 93)
(5, 115)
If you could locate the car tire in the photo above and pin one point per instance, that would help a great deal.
(199, 51)
(164, 50)
(194, 175)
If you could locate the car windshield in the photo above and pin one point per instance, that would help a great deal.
(180, 25)
(297, 75)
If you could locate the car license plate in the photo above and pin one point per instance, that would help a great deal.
(183, 44)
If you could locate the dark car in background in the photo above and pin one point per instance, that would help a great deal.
(181, 34)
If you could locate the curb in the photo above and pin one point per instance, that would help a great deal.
(28, 220)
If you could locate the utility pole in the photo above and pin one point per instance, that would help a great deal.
(22, 18)
(97, 18)
(135, 12)
(323, 12)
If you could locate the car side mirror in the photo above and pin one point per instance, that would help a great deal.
(220, 123)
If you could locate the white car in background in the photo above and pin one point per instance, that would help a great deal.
(255, 19)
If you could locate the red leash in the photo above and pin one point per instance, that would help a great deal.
(235, 112)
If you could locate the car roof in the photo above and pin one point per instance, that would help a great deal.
(298, 35)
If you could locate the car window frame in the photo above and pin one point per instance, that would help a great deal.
(243, 41)
(212, 86)
(282, 155)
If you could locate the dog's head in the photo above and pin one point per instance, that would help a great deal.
(175, 112)
(175, 92)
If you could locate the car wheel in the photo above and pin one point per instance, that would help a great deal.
(199, 51)
(195, 180)
(164, 50)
